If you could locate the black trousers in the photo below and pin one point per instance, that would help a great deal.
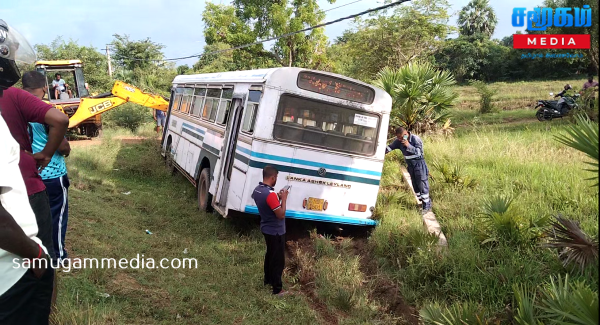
(40, 204)
(28, 301)
(274, 261)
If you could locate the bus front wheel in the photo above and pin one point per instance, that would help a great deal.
(204, 197)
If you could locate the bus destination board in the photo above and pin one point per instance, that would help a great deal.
(335, 87)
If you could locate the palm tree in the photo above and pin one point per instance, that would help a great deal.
(477, 17)
(421, 95)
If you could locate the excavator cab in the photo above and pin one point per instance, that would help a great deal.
(68, 101)
(71, 71)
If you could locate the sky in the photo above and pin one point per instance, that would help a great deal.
(177, 24)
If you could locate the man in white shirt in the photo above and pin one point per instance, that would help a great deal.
(25, 293)
(59, 85)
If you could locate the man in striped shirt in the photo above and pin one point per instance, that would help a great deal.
(412, 149)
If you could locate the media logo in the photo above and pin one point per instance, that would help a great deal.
(540, 19)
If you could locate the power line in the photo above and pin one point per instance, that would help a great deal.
(350, 3)
(368, 11)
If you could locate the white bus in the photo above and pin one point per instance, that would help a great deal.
(325, 133)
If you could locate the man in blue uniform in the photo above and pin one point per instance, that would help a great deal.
(412, 149)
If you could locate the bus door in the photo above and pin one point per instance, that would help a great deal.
(225, 168)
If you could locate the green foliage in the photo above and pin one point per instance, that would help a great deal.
(502, 223)
(583, 137)
(224, 30)
(138, 62)
(413, 32)
(421, 95)
(477, 17)
(247, 21)
(129, 116)
(454, 175)
(486, 97)
(457, 313)
(132, 55)
(95, 67)
(561, 302)
(525, 313)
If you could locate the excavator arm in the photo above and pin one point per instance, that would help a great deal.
(122, 93)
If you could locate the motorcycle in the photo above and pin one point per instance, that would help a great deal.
(550, 109)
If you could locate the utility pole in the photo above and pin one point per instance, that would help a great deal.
(108, 59)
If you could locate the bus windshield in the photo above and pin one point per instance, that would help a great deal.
(314, 123)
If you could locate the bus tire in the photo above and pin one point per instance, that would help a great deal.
(204, 197)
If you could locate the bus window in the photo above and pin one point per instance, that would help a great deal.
(315, 123)
(177, 99)
(186, 101)
(249, 118)
(211, 104)
(251, 109)
(199, 94)
(224, 106)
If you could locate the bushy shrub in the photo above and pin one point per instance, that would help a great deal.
(561, 302)
(486, 97)
(503, 223)
(129, 116)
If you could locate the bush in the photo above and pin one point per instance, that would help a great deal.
(486, 94)
(502, 223)
(454, 175)
(458, 313)
(562, 302)
(129, 116)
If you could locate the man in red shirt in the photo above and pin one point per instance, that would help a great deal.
(25, 297)
(18, 108)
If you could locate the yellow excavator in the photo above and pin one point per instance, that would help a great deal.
(72, 96)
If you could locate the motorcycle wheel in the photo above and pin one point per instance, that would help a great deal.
(540, 115)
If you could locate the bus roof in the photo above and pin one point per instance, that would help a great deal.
(280, 76)
(251, 76)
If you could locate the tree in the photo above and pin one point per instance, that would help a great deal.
(270, 18)
(224, 30)
(420, 94)
(95, 67)
(477, 17)
(132, 55)
(141, 63)
(413, 31)
(247, 21)
(183, 69)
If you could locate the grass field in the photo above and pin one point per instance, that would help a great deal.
(384, 278)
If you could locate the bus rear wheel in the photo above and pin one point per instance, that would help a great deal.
(204, 197)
